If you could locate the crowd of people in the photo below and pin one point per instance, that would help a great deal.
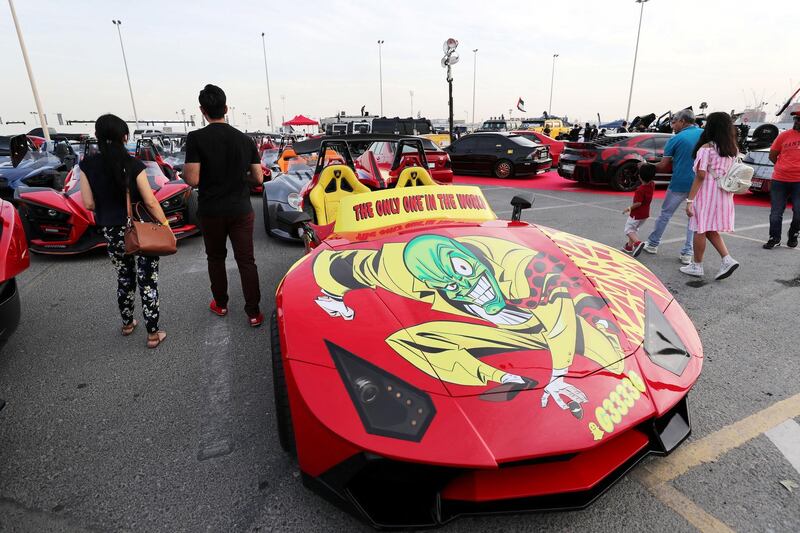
(698, 160)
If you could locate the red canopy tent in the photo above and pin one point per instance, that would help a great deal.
(300, 120)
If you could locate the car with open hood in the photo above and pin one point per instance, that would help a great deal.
(431, 360)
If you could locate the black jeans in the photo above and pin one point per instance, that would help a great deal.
(239, 229)
(780, 192)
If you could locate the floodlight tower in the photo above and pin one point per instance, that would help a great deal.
(450, 58)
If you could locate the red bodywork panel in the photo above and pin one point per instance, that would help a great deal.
(492, 431)
(556, 147)
(14, 257)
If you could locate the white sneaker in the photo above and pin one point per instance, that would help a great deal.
(650, 249)
(686, 259)
(693, 269)
(729, 264)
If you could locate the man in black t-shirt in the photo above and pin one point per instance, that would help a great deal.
(223, 163)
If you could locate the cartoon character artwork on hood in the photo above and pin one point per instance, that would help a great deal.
(475, 277)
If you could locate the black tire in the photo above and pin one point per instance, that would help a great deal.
(626, 178)
(283, 415)
(191, 209)
(503, 169)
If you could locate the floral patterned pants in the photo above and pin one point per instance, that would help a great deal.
(131, 269)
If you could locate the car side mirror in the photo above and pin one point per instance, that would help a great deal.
(519, 203)
(293, 221)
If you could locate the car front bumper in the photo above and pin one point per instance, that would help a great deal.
(387, 493)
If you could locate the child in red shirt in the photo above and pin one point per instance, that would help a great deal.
(639, 210)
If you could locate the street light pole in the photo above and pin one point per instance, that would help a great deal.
(450, 58)
(266, 71)
(552, 79)
(185, 129)
(411, 93)
(474, 78)
(380, 71)
(635, 56)
(118, 23)
(36, 99)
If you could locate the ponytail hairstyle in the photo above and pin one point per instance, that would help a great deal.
(719, 130)
(111, 131)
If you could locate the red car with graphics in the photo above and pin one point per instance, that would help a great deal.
(57, 222)
(14, 259)
(431, 361)
(613, 159)
(556, 147)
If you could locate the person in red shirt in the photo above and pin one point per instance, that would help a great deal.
(785, 153)
(639, 210)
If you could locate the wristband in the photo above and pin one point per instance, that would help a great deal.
(689, 201)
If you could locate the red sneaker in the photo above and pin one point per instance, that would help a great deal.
(627, 248)
(257, 320)
(217, 310)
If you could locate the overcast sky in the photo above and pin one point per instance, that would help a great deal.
(323, 56)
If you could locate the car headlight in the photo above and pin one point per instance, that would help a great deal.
(387, 405)
(173, 202)
(294, 200)
(661, 343)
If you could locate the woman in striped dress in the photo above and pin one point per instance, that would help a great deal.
(710, 209)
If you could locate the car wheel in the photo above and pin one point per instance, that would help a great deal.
(282, 412)
(191, 209)
(626, 178)
(503, 169)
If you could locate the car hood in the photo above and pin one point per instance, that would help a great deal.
(550, 281)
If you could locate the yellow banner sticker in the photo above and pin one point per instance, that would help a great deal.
(391, 207)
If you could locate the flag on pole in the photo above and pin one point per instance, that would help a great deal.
(521, 104)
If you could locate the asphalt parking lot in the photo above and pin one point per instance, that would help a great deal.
(101, 434)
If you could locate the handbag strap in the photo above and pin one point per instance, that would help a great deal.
(127, 193)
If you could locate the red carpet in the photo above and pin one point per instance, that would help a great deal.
(551, 181)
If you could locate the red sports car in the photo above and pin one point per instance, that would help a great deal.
(430, 360)
(57, 222)
(14, 258)
(613, 159)
(556, 147)
(439, 166)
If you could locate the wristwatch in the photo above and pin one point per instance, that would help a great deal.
(689, 201)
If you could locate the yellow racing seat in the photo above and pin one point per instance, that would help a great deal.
(414, 176)
(335, 182)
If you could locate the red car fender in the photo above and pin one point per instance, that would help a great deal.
(13, 246)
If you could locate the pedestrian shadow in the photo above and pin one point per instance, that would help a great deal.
(795, 282)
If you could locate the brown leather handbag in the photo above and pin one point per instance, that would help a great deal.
(144, 237)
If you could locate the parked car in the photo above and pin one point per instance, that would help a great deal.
(613, 159)
(556, 146)
(57, 222)
(439, 165)
(28, 166)
(762, 177)
(14, 258)
(502, 155)
(414, 351)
